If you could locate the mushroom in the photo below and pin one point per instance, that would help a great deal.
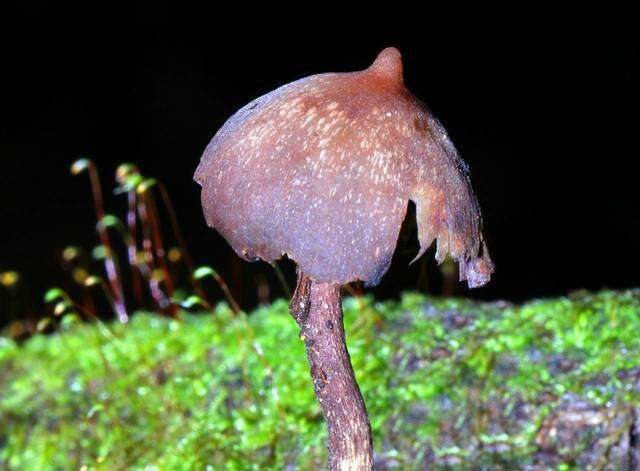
(322, 170)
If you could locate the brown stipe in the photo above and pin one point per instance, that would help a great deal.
(317, 309)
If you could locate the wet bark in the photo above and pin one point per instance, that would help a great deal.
(317, 308)
(634, 441)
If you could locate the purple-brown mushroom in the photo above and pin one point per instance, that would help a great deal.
(322, 170)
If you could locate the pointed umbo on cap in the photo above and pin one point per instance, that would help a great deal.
(322, 170)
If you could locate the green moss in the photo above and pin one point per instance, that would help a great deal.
(446, 382)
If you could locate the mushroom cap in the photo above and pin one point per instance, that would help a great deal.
(321, 169)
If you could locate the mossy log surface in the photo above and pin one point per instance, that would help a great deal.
(448, 383)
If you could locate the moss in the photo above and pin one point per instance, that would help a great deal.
(446, 382)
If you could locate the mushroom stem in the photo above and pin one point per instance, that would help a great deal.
(317, 308)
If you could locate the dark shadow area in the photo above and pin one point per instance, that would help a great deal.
(544, 113)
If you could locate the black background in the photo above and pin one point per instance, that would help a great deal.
(543, 110)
